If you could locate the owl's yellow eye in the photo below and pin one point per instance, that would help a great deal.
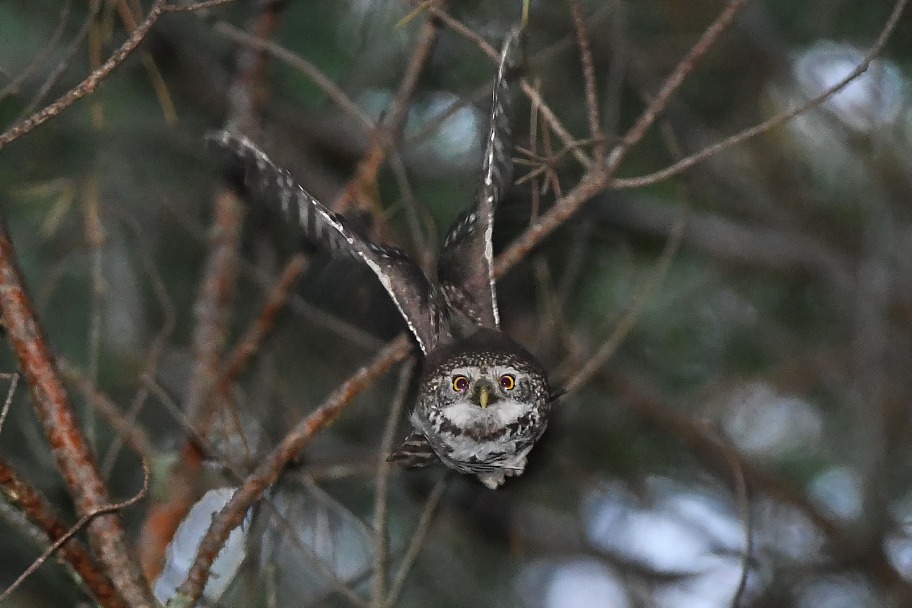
(460, 384)
(507, 382)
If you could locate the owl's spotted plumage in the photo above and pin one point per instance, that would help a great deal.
(483, 400)
(487, 423)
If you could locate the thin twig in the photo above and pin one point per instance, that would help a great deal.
(743, 498)
(96, 239)
(381, 514)
(599, 175)
(773, 122)
(386, 136)
(627, 322)
(198, 6)
(36, 508)
(91, 82)
(264, 323)
(12, 87)
(74, 46)
(272, 465)
(591, 184)
(332, 90)
(213, 308)
(156, 350)
(134, 436)
(592, 104)
(79, 525)
(674, 81)
(417, 542)
(531, 92)
(248, 90)
(14, 382)
(634, 393)
(310, 312)
(213, 305)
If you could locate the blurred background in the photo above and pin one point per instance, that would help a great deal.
(745, 443)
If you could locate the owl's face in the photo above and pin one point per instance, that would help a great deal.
(482, 403)
(474, 388)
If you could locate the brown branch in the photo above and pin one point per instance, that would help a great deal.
(247, 92)
(91, 82)
(674, 80)
(531, 92)
(385, 137)
(14, 382)
(213, 304)
(599, 175)
(52, 405)
(277, 51)
(250, 343)
(212, 317)
(272, 465)
(773, 122)
(38, 510)
(592, 105)
(627, 322)
(381, 481)
(207, 390)
(134, 436)
(417, 542)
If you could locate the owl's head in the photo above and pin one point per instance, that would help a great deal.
(485, 369)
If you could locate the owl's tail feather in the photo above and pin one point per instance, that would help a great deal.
(414, 452)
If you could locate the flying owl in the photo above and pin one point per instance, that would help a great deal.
(483, 400)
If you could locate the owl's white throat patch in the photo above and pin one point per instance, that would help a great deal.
(465, 413)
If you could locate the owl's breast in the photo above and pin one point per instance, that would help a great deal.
(472, 439)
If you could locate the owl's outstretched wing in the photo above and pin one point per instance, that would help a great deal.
(417, 300)
(466, 265)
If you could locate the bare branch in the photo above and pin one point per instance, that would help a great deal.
(52, 404)
(79, 525)
(37, 509)
(91, 82)
(417, 542)
(627, 322)
(592, 104)
(775, 121)
(272, 465)
(253, 338)
(14, 382)
(381, 516)
(332, 90)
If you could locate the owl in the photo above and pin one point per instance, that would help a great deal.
(482, 400)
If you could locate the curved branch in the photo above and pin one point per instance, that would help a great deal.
(91, 81)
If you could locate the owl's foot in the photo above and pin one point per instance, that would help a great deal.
(492, 480)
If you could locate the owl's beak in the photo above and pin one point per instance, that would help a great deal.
(484, 394)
